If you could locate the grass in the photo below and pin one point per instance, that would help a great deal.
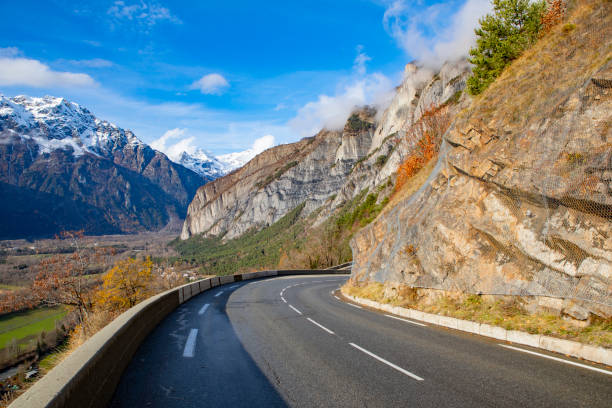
(53, 358)
(545, 75)
(412, 185)
(10, 287)
(19, 325)
(360, 211)
(508, 312)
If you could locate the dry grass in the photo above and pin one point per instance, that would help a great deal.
(508, 312)
(411, 185)
(539, 82)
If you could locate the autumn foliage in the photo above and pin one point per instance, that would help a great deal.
(555, 12)
(423, 138)
(67, 279)
(127, 283)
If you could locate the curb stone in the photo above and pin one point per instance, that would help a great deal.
(572, 348)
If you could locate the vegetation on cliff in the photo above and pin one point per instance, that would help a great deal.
(502, 37)
(539, 134)
(509, 312)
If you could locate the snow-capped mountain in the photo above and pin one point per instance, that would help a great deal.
(208, 165)
(55, 123)
(203, 163)
(63, 168)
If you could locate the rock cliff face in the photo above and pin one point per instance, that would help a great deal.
(324, 171)
(275, 182)
(61, 168)
(520, 202)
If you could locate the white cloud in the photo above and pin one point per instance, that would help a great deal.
(211, 84)
(331, 112)
(92, 43)
(15, 70)
(9, 52)
(145, 13)
(263, 143)
(437, 33)
(185, 143)
(174, 150)
(238, 159)
(92, 63)
(359, 65)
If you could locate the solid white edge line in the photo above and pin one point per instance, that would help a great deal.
(350, 304)
(407, 321)
(558, 359)
(219, 294)
(320, 325)
(203, 309)
(390, 364)
(297, 311)
(188, 351)
(283, 299)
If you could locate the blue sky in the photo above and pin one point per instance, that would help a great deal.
(224, 73)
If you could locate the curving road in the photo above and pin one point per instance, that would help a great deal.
(291, 342)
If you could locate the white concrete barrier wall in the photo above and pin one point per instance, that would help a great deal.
(89, 375)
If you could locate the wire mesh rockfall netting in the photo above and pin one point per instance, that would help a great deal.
(520, 200)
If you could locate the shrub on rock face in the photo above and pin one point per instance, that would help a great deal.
(502, 37)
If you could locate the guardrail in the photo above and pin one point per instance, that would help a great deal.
(88, 376)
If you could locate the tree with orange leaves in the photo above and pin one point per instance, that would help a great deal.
(126, 284)
(424, 138)
(65, 279)
(555, 12)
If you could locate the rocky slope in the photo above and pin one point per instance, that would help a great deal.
(324, 171)
(63, 168)
(520, 202)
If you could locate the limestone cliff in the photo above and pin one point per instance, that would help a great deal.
(520, 202)
(324, 171)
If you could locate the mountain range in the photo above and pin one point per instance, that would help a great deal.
(62, 168)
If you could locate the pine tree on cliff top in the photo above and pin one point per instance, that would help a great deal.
(502, 37)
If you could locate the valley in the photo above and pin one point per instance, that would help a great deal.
(447, 229)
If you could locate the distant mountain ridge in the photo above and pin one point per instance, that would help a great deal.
(205, 164)
(208, 165)
(63, 168)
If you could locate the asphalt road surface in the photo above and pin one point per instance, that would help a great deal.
(291, 342)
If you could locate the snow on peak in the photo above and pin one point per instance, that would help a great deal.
(203, 163)
(56, 123)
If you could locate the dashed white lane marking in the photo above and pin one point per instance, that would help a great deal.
(203, 309)
(283, 299)
(337, 298)
(390, 364)
(320, 325)
(234, 286)
(558, 359)
(297, 311)
(219, 294)
(407, 321)
(190, 344)
(350, 304)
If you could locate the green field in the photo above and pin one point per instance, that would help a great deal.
(19, 325)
